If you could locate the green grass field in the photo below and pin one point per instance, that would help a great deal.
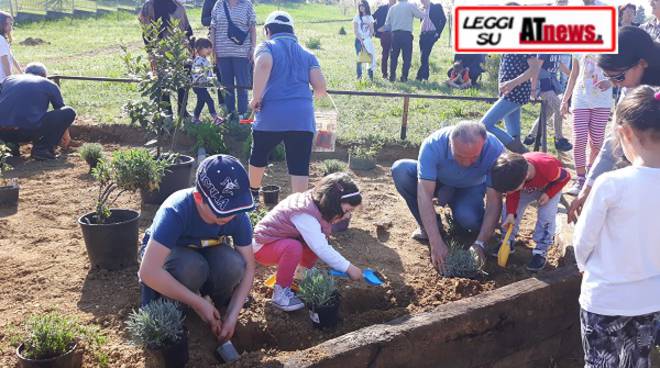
(91, 47)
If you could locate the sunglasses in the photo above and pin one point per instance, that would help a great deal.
(619, 77)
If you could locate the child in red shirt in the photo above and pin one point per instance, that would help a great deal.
(533, 176)
(459, 76)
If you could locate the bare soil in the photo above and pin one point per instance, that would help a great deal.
(45, 265)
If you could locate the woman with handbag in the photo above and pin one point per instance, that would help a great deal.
(233, 33)
(363, 27)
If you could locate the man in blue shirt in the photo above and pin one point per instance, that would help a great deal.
(453, 166)
(24, 115)
(184, 253)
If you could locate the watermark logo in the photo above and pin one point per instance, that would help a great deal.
(535, 29)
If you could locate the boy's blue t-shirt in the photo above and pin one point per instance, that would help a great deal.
(436, 161)
(177, 223)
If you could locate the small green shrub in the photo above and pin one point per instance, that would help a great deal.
(313, 43)
(207, 135)
(257, 215)
(50, 335)
(342, 31)
(156, 325)
(459, 262)
(332, 166)
(91, 152)
(127, 171)
(317, 288)
(367, 151)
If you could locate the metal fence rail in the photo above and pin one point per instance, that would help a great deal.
(406, 99)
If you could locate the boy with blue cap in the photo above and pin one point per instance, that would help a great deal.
(184, 253)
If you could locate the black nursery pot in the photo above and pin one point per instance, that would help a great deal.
(67, 360)
(271, 194)
(113, 245)
(9, 195)
(172, 356)
(356, 163)
(326, 316)
(176, 177)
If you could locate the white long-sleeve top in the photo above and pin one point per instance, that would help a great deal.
(617, 244)
(310, 230)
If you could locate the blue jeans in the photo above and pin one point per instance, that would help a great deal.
(235, 71)
(510, 112)
(544, 232)
(466, 204)
(213, 271)
(203, 98)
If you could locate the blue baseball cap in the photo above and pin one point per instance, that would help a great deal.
(224, 184)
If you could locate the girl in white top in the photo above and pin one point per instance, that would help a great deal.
(617, 244)
(592, 102)
(8, 64)
(363, 27)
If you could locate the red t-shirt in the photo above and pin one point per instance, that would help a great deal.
(463, 78)
(550, 177)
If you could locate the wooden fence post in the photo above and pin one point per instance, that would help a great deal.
(404, 118)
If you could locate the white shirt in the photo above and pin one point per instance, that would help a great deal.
(617, 244)
(310, 229)
(5, 51)
(586, 95)
(364, 31)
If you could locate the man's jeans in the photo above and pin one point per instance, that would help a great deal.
(235, 71)
(510, 112)
(544, 232)
(402, 42)
(386, 44)
(213, 271)
(426, 42)
(48, 133)
(467, 204)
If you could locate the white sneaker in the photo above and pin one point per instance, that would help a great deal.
(420, 235)
(285, 299)
(577, 186)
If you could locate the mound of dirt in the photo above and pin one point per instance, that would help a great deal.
(33, 42)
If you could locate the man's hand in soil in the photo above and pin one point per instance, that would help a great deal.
(354, 273)
(439, 252)
(209, 314)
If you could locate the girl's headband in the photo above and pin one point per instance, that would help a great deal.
(657, 96)
(350, 195)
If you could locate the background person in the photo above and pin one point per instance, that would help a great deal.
(652, 27)
(184, 256)
(363, 27)
(168, 11)
(453, 166)
(515, 73)
(385, 35)
(283, 102)
(433, 23)
(202, 75)
(636, 63)
(400, 21)
(627, 14)
(8, 64)
(234, 58)
(24, 102)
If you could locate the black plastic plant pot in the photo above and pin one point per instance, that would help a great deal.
(342, 225)
(327, 316)
(9, 195)
(174, 355)
(176, 177)
(113, 244)
(358, 163)
(92, 162)
(271, 194)
(67, 360)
